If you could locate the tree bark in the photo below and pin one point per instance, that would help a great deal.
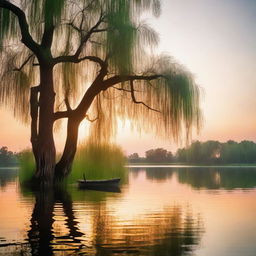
(34, 104)
(45, 147)
(63, 167)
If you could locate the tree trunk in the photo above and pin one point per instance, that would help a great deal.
(34, 104)
(63, 167)
(45, 147)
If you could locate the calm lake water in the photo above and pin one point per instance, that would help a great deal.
(160, 211)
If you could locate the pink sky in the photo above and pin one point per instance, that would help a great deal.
(216, 41)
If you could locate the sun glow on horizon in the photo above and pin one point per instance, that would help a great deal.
(217, 42)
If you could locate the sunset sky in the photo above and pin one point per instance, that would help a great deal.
(216, 41)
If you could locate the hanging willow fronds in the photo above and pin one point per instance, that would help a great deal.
(112, 32)
(17, 74)
(167, 105)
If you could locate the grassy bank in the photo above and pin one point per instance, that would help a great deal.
(94, 161)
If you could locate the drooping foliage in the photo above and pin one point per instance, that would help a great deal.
(87, 164)
(113, 31)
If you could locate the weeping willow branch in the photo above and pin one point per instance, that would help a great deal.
(48, 32)
(24, 28)
(88, 35)
(140, 102)
(74, 59)
(118, 79)
(24, 63)
(61, 114)
(121, 89)
(79, 30)
(102, 66)
(69, 109)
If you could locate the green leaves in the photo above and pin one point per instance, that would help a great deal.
(125, 37)
(5, 21)
(8, 26)
(112, 31)
(120, 35)
(53, 11)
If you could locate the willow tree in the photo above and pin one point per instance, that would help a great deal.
(90, 59)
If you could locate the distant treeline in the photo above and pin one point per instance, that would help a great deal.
(158, 155)
(209, 152)
(8, 158)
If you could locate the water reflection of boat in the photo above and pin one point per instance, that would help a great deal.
(102, 185)
(113, 189)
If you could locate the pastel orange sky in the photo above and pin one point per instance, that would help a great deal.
(216, 41)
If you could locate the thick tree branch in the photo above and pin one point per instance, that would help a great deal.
(74, 59)
(26, 37)
(47, 36)
(80, 112)
(61, 114)
(48, 29)
(90, 94)
(118, 79)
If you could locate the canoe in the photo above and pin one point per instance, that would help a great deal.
(98, 183)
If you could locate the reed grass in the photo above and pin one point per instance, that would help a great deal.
(27, 166)
(92, 161)
(99, 161)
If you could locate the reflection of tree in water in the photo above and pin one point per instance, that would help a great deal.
(7, 175)
(184, 235)
(209, 178)
(159, 174)
(215, 178)
(42, 237)
(170, 231)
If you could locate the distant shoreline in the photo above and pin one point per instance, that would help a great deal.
(183, 165)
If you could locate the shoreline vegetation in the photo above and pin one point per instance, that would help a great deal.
(92, 158)
(8, 158)
(202, 153)
(93, 161)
